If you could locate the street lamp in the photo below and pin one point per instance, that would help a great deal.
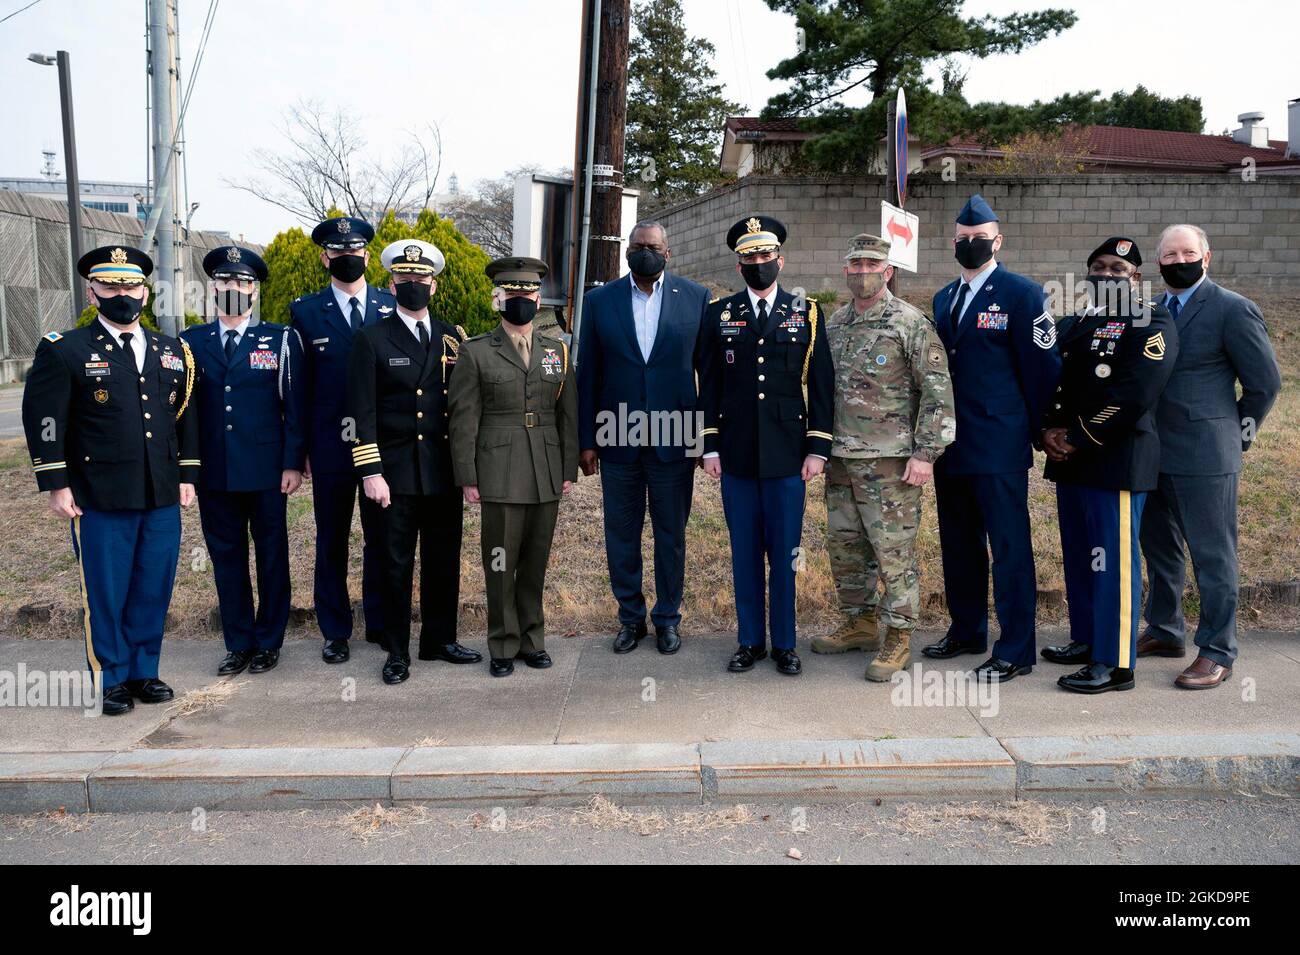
(62, 60)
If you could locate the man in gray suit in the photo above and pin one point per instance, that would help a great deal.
(1203, 428)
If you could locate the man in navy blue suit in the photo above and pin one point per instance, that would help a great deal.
(636, 424)
(327, 322)
(250, 407)
(1001, 342)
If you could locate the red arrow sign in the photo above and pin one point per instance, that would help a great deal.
(896, 228)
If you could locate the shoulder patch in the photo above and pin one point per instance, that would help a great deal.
(53, 336)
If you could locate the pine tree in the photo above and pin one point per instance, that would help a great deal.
(675, 109)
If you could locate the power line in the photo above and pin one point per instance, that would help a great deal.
(18, 11)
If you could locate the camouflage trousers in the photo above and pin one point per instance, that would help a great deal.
(871, 522)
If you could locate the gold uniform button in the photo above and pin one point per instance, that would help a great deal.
(146, 415)
(419, 437)
(760, 341)
(88, 457)
(760, 359)
(419, 391)
(761, 396)
(762, 377)
(144, 397)
(419, 414)
(148, 434)
(142, 381)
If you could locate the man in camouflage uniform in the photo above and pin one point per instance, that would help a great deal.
(893, 418)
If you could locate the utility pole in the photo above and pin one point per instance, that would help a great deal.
(601, 132)
(163, 228)
(64, 63)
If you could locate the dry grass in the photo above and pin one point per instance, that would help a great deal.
(371, 822)
(36, 566)
(204, 698)
(58, 821)
(1019, 823)
(604, 816)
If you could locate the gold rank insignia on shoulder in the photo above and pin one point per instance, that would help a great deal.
(1155, 347)
(101, 396)
(118, 256)
(752, 225)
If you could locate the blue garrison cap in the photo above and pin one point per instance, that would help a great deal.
(976, 212)
(343, 232)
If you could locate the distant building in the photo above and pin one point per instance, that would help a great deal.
(770, 147)
(120, 197)
(1122, 149)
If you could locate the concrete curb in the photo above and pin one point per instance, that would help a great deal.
(804, 771)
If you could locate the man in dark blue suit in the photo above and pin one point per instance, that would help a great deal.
(636, 421)
(250, 406)
(1001, 342)
(327, 323)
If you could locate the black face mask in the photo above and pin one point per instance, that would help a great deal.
(233, 302)
(972, 253)
(646, 263)
(1182, 275)
(120, 309)
(760, 275)
(348, 268)
(519, 311)
(1113, 296)
(413, 296)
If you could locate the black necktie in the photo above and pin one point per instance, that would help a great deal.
(356, 313)
(1175, 307)
(954, 317)
(231, 334)
(125, 339)
(424, 335)
(762, 316)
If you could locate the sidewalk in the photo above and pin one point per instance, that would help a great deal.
(641, 728)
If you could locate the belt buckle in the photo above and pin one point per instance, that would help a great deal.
(530, 419)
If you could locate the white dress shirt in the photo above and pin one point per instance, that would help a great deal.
(223, 331)
(755, 298)
(137, 341)
(975, 284)
(412, 323)
(645, 314)
(344, 301)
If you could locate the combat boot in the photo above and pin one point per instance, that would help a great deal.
(893, 656)
(856, 632)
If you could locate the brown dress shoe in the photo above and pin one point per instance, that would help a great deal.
(1203, 674)
(1149, 646)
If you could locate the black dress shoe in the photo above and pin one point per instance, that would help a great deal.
(743, 660)
(1069, 653)
(117, 700)
(264, 660)
(1097, 678)
(501, 667)
(667, 640)
(787, 662)
(537, 660)
(950, 646)
(235, 662)
(397, 669)
(150, 691)
(628, 635)
(336, 651)
(452, 653)
(999, 671)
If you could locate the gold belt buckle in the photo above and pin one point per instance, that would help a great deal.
(530, 419)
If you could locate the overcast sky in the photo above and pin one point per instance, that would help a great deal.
(500, 76)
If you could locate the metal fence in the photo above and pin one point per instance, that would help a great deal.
(35, 274)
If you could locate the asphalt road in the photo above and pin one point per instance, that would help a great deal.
(11, 407)
(1254, 831)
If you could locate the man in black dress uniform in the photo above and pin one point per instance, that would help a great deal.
(114, 441)
(398, 373)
